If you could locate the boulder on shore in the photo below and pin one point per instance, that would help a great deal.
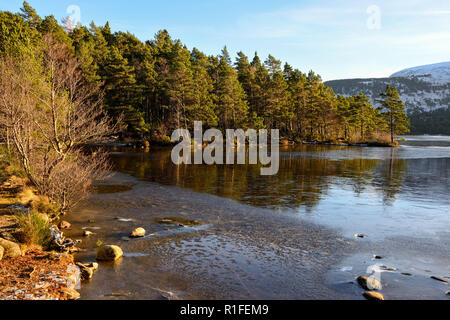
(138, 233)
(71, 294)
(86, 273)
(87, 270)
(64, 225)
(87, 233)
(371, 295)
(11, 249)
(369, 283)
(109, 253)
(93, 265)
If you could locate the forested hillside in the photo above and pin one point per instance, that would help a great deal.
(160, 85)
(425, 91)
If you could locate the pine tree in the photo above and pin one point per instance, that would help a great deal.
(245, 74)
(260, 84)
(30, 15)
(226, 56)
(119, 86)
(277, 112)
(16, 35)
(232, 108)
(85, 49)
(180, 83)
(297, 84)
(393, 110)
(313, 100)
(141, 57)
(203, 107)
(102, 50)
(51, 25)
(343, 114)
(326, 110)
(364, 115)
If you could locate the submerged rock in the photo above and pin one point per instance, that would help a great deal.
(371, 295)
(178, 221)
(439, 279)
(10, 249)
(123, 219)
(117, 294)
(138, 233)
(384, 267)
(109, 189)
(369, 283)
(109, 253)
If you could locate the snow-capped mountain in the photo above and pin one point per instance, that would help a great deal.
(438, 73)
(423, 89)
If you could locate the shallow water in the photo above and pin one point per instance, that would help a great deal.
(288, 236)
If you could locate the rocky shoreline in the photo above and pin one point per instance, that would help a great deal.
(27, 272)
(164, 141)
(38, 275)
(31, 273)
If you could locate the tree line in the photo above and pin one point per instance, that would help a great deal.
(160, 85)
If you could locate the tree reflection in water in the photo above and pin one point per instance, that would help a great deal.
(305, 176)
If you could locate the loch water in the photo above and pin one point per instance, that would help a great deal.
(226, 232)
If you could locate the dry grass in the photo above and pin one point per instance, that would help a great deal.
(34, 229)
(31, 229)
(375, 138)
(380, 137)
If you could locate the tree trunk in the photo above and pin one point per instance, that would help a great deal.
(392, 129)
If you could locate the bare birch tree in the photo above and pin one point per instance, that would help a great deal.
(48, 113)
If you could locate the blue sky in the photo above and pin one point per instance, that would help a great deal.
(337, 39)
